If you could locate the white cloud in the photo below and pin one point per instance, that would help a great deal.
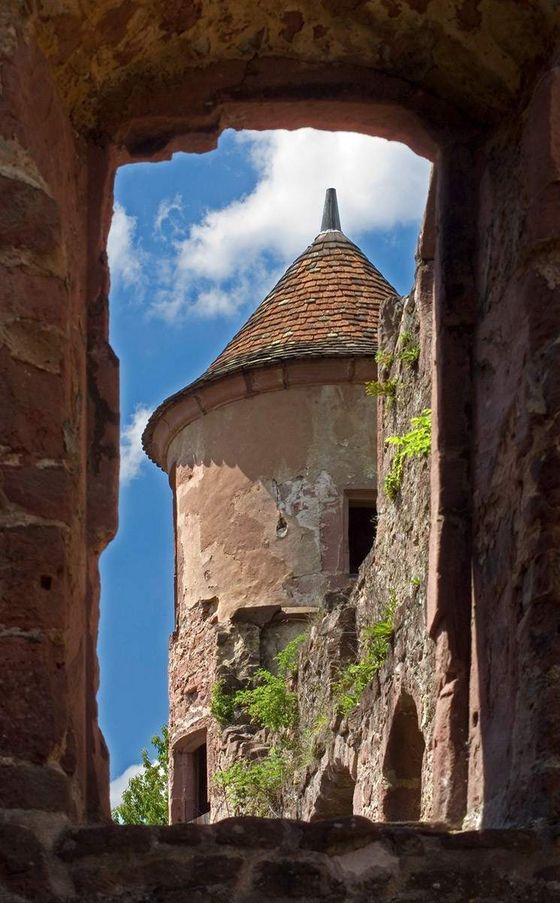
(125, 258)
(230, 256)
(132, 454)
(120, 784)
(169, 212)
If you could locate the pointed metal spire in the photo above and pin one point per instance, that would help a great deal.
(331, 218)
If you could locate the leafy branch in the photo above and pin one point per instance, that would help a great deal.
(416, 443)
(356, 677)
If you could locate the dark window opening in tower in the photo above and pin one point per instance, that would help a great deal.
(362, 526)
(402, 766)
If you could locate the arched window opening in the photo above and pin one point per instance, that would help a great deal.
(336, 794)
(402, 766)
(310, 491)
(189, 780)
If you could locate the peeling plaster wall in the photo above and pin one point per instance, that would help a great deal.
(259, 489)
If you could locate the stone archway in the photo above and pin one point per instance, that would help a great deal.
(402, 764)
(335, 796)
(188, 781)
(133, 80)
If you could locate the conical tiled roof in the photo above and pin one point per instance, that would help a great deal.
(325, 305)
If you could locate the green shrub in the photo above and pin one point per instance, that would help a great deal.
(386, 388)
(355, 678)
(410, 355)
(409, 350)
(384, 358)
(270, 703)
(287, 659)
(414, 444)
(222, 704)
(253, 788)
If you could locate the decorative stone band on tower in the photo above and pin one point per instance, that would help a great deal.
(272, 460)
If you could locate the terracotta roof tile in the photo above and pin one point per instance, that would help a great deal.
(333, 293)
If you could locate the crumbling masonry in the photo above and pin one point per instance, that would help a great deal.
(474, 86)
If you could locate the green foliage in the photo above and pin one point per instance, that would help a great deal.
(287, 659)
(270, 703)
(384, 358)
(410, 355)
(386, 388)
(253, 788)
(409, 350)
(416, 581)
(145, 800)
(355, 678)
(222, 704)
(414, 444)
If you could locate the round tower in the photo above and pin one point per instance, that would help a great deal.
(271, 456)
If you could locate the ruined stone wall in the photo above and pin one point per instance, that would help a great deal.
(356, 745)
(340, 762)
(251, 860)
(515, 693)
(58, 458)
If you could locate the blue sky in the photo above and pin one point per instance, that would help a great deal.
(195, 244)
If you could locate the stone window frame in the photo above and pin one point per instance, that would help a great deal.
(355, 494)
(186, 746)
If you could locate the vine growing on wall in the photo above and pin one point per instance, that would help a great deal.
(385, 388)
(375, 643)
(416, 443)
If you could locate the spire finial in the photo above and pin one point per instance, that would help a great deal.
(331, 218)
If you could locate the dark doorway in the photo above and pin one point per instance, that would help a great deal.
(189, 780)
(362, 524)
(202, 803)
(402, 766)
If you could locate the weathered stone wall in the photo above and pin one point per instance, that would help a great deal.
(515, 741)
(251, 860)
(58, 458)
(356, 745)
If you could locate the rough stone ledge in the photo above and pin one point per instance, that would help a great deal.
(249, 860)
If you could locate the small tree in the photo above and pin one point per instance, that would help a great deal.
(145, 800)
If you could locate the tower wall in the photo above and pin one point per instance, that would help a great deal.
(260, 496)
(262, 488)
